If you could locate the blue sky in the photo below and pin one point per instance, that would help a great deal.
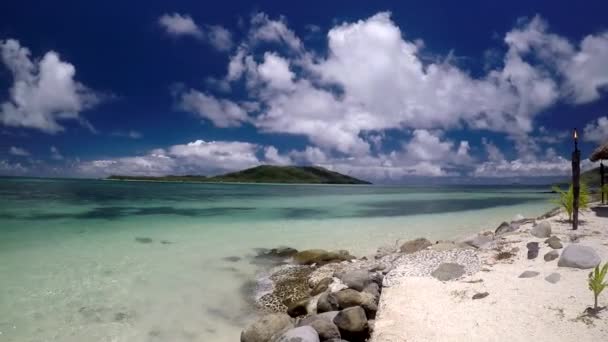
(387, 91)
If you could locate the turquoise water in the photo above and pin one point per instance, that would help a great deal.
(88, 260)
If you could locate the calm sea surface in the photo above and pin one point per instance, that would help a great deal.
(89, 260)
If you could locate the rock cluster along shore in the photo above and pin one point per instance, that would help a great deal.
(318, 295)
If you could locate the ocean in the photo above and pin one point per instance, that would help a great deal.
(95, 260)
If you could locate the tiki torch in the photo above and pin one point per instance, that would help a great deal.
(576, 182)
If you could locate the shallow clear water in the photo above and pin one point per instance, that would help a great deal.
(86, 260)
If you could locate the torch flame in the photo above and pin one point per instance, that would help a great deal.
(575, 134)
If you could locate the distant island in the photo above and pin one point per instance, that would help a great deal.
(260, 174)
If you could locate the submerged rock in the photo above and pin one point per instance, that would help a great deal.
(300, 334)
(415, 245)
(541, 229)
(320, 257)
(448, 271)
(577, 256)
(143, 240)
(267, 326)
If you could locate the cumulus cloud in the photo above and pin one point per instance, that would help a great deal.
(596, 131)
(264, 29)
(12, 169)
(17, 151)
(177, 25)
(221, 112)
(43, 92)
(197, 157)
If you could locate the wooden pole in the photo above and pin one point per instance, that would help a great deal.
(576, 181)
(602, 180)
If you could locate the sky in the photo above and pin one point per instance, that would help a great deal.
(392, 92)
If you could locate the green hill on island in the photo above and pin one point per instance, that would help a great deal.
(261, 174)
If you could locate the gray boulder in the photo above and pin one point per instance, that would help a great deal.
(267, 326)
(553, 278)
(300, 334)
(415, 245)
(373, 289)
(328, 316)
(356, 280)
(541, 229)
(327, 302)
(448, 271)
(348, 298)
(299, 308)
(529, 274)
(325, 328)
(550, 256)
(351, 320)
(578, 256)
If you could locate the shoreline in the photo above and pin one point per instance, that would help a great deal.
(316, 285)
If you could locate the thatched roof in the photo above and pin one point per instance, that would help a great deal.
(600, 153)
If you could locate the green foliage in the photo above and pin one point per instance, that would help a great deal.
(596, 282)
(566, 198)
(605, 191)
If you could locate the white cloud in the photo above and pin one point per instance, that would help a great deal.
(197, 157)
(55, 154)
(275, 71)
(132, 134)
(179, 25)
(43, 92)
(272, 156)
(265, 29)
(596, 131)
(17, 151)
(493, 152)
(223, 113)
(12, 169)
(219, 37)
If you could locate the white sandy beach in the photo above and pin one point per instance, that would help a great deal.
(516, 309)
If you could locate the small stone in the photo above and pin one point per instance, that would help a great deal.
(529, 274)
(532, 250)
(541, 229)
(480, 295)
(448, 271)
(550, 256)
(577, 256)
(414, 246)
(553, 278)
(554, 242)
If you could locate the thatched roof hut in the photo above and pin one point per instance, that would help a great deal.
(600, 153)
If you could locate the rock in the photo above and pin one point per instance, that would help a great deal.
(506, 227)
(554, 242)
(299, 308)
(351, 320)
(518, 217)
(415, 245)
(321, 286)
(356, 280)
(483, 240)
(551, 255)
(325, 328)
(529, 274)
(300, 334)
(448, 271)
(328, 316)
(290, 284)
(541, 229)
(443, 246)
(553, 278)
(578, 256)
(327, 302)
(373, 289)
(320, 257)
(480, 295)
(263, 329)
(532, 250)
(232, 258)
